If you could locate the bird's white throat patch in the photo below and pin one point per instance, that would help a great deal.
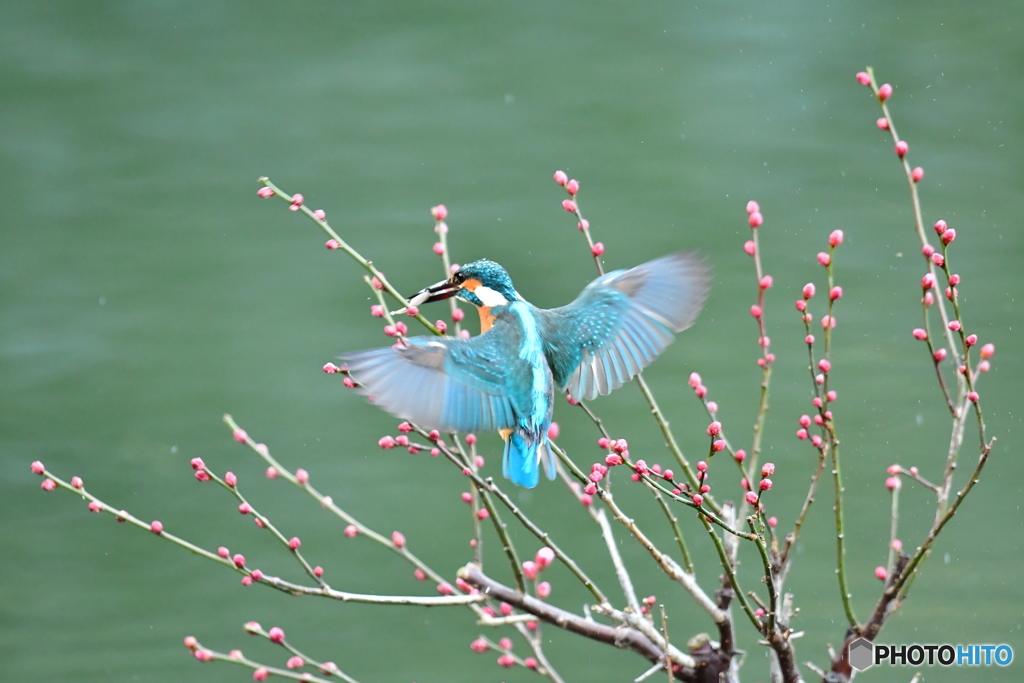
(489, 297)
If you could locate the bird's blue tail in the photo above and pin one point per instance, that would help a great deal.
(521, 461)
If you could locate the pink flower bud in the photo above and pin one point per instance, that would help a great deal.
(717, 445)
(39, 468)
(971, 339)
(239, 435)
(507, 661)
(265, 192)
(824, 365)
(398, 538)
(260, 674)
(715, 428)
(753, 207)
(836, 238)
(597, 249)
(572, 187)
(668, 475)
(201, 475)
(702, 466)
(897, 544)
(948, 236)
(884, 92)
(613, 459)
(902, 148)
(320, 215)
(386, 442)
(351, 530)
(767, 469)
(864, 78)
(973, 397)
(751, 498)
(257, 575)
(920, 334)
(939, 355)
(272, 471)
(376, 283)
(295, 662)
(561, 178)
(808, 291)
(816, 441)
(554, 430)
(530, 663)
(749, 247)
(988, 350)
(439, 212)
(831, 396)
(197, 464)
(881, 573)
(954, 325)
(697, 499)
(809, 339)
(95, 507)
(882, 123)
(755, 311)
(569, 205)
(928, 300)
(801, 434)
(156, 527)
(238, 560)
(506, 609)
(543, 590)
(823, 258)
(482, 513)
(917, 174)
(596, 477)
(835, 293)
(544, 557)
(621, 445)
(694, 380)
(755, 219)
(766, 484)
(928, 281)
(297, 200)
(938, 259)
(766, 282)
(230, 479)
(294, 543)
(801, 305)
(458, 314)
(740, 455)
(530, 569)
(927, 250)
(712, 407)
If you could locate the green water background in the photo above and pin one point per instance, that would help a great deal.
(145, 290)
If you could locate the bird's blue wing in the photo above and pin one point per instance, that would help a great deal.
(455, 385)
(621, 322)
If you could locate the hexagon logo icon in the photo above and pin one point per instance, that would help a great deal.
(862, 654)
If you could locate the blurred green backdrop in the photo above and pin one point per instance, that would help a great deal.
(145, 290)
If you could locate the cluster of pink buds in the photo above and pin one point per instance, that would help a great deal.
(754, 217)
(698, 388)
(532, 569)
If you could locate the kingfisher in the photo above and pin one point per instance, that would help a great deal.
(505, 379)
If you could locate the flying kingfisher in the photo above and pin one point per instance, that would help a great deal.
(505, 379)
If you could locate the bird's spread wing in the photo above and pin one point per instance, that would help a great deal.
(448, 384)
(621, 322)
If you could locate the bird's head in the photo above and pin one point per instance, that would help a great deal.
(482, 283)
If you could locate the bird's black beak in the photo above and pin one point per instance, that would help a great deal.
(445, 289)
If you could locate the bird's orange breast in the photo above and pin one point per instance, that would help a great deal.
(486, 318)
